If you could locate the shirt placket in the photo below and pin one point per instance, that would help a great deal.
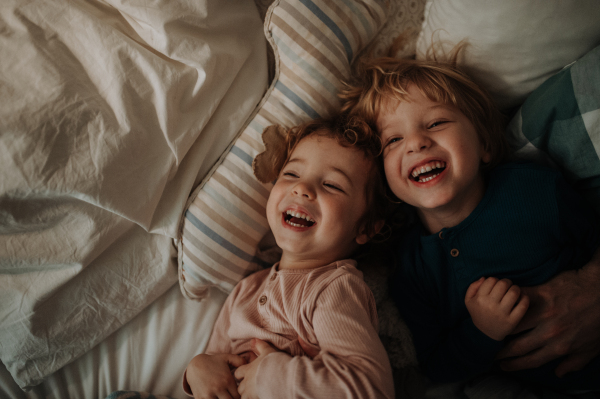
(454, 253)
(265, 299)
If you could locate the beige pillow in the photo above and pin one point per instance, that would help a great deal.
(314, 42)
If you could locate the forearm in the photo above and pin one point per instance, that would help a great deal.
(325, 376)
(564, 321)
(580, 287)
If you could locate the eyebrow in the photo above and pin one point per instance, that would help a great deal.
(448, 107)
(333, 168)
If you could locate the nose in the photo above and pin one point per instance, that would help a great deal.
(417, 142)
(304, 189)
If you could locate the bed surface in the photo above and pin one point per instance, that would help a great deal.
(110, 113)
(149, 353)
(151, 330)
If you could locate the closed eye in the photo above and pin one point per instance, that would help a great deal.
(436, 124)
(329, 185)
(393, 140)
(290, 174)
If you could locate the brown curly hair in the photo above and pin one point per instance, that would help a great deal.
(348, 131)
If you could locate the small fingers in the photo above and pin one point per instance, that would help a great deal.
(248, 356)
(487, 285)
(471, 291)
(236, 361)
(500, 288)
(511, 297)
(242, 388)
(228, 390)
(224, 395)
(240, 372)
(522, 306)
(232, 390)
(519, 310)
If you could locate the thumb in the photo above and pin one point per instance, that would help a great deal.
(261, 347)
(235, 360)
(473, 288)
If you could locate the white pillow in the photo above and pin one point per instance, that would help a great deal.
(514, 45)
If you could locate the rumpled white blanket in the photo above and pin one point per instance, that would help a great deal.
(110, 111)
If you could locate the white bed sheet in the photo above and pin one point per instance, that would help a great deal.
(148, 354)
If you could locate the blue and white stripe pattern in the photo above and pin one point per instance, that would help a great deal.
(314, 43)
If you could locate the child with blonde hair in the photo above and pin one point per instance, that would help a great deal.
(484, 227)
(328, 200)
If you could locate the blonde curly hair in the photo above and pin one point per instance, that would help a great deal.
(375, 81)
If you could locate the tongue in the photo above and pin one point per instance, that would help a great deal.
(427, 174)
(301, 221)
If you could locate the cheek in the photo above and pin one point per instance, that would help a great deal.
(272, 202)
(388, 163)
(393, 175)
(392, 167)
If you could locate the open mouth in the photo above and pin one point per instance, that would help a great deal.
(297, 219)
(429, 171)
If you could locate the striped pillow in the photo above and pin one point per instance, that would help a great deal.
(314, 43)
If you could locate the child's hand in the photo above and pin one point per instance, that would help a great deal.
(247, 373)
(496, 306)
(308, 350)
(210, 376)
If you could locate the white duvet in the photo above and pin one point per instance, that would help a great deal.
(110, 111)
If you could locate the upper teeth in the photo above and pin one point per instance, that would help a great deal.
(299, 215)
(428, 168)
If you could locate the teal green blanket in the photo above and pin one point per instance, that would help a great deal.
(559, 123)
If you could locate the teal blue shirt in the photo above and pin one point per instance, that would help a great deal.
(529, 226)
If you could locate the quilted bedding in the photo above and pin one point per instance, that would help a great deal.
(110, 112)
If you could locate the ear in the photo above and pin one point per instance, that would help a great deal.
(486, 156)
(364, 238)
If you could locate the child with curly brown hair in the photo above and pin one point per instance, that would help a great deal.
(328, 199)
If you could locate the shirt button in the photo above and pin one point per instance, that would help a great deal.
(454, 252)
(273, 276)
(262, 300)
(441, 236)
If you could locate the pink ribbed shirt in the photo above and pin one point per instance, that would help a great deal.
(330, 308)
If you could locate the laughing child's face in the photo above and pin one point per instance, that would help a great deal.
(315, 206)
(432, 157)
